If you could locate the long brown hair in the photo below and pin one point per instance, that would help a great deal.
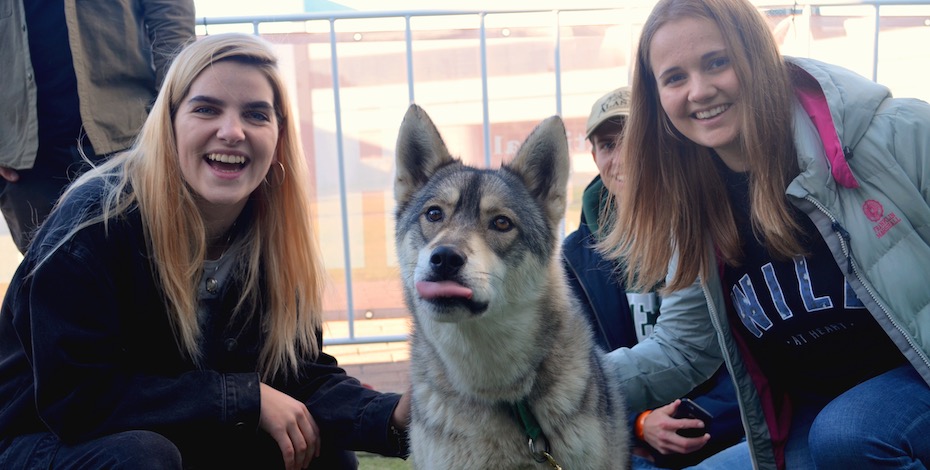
(673, 199)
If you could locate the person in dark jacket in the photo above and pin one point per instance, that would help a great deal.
(621, 319)
(78, 78)
(168, 313)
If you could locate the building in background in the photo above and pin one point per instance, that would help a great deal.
(486, 80)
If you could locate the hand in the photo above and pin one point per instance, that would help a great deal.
(9, 174)
(659, 431)
(401, 415)
(291, 425)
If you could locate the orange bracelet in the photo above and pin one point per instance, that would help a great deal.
(640, 422)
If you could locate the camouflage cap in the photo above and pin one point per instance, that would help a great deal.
(613, 104)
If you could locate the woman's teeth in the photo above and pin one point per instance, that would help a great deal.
(234, 159)
(711, 112)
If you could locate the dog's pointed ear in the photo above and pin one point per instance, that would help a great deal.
(420, 152)
(543, 163)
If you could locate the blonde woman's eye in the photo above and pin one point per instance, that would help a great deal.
(257, 116)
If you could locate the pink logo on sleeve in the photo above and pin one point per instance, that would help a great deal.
(873, 210)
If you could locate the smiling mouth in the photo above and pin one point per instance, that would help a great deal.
(713, 112)
(226, 162)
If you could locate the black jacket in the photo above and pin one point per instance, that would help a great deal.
(599, 286)
(86, 350)
(597, 283)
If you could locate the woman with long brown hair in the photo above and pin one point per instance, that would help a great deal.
(784, 202)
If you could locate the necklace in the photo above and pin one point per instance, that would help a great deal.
(212, 284)
(227, 243)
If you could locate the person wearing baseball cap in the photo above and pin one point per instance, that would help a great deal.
(621, 319)
(593, 278)
(604, 129)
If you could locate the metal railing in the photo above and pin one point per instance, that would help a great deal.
(303, 29)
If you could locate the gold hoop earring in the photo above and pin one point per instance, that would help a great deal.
(277, 181)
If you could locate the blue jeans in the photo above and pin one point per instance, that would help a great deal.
(735, 457)
(128, 450)
(881, 423)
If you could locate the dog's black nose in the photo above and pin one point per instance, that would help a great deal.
(446, 260)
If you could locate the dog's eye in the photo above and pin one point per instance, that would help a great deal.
(501, 224)
(434, 214)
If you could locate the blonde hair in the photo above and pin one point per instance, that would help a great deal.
(673, 198)
(282, 270)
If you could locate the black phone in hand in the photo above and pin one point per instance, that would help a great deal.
(691, 410)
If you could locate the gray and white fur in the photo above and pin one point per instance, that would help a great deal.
(495, 324)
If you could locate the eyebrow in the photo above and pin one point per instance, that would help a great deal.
(704, 57)
(263, 105)
(666, 72)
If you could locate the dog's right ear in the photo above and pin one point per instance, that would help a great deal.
(419, 153)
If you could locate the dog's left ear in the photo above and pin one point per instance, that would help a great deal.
(419, 153)
(543, 163)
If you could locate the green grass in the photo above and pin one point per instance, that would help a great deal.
(368, 461)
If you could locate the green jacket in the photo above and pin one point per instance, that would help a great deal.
(121, 51)
(865, 183)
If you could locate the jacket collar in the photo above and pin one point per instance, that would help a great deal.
(833, 125)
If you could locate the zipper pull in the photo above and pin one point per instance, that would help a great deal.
(845, 236)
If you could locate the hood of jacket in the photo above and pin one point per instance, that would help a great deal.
(839, 106)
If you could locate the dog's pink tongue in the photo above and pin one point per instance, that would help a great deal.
(435, 290)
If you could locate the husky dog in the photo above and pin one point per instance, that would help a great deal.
(505, 373)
